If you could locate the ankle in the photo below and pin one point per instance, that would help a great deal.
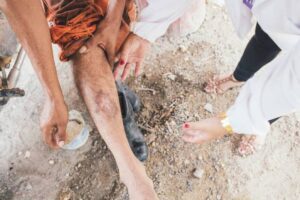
(134, 176)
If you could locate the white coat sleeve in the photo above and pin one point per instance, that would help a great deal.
(272, 93)
(154, 20)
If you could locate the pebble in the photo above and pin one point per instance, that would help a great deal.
(186, 162)
(219, 197)
(28, 187)
(170, 76)
(151, 138)
(27, 154)
(51, 162)
(198, 173)
(20, 153)
(208, 107)
(182, 48)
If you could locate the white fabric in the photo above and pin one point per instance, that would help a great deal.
(273, 93)
(279, 19)
(155, 17)
(276, 90)
(191, 20)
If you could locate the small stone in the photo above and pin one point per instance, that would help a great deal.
(198, 173)
(27, 154)
(219, 197)
(208, 107)
(28, 187)
(186, 162)
(170, 76)
(151, 138)
(20, 153)
(182, 48)
(51, 162)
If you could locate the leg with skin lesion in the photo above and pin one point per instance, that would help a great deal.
(96, 84)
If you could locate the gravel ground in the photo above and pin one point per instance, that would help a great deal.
(170, 89)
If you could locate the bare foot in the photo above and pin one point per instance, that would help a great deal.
(139, 185)
(221, 83)
(203, 131)
(249, 144)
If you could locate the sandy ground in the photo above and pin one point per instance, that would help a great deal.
(174, 73)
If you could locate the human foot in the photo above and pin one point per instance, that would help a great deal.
(249, 144)
(203, 131)
(139, 185)
(221, 83)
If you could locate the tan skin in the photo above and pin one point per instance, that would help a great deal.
(94, 80)
(203, 131)
(132, 55)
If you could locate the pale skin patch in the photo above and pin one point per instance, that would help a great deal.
(105, 104)
(83, 49)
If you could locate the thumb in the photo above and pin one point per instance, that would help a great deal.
(61, 136)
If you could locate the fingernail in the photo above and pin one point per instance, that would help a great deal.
(61, 143)
(122, 62)
(186, 125)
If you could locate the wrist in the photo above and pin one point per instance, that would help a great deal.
(54, 96)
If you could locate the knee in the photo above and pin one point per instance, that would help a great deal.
(105, 104)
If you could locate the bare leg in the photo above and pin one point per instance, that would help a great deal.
(95, 81)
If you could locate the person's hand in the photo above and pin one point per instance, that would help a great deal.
(203, 131)
(54, 119)
(105, 38)
(132, 54)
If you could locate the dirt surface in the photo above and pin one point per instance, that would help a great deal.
(170, 90)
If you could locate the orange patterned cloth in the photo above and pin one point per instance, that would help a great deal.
(73, 22)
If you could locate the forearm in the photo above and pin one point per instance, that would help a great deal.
(115, 11)
(28, 21)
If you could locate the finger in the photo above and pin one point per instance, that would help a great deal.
(60, 136)
(48, 136)
(116, 72)
(123, 58)
(126, 71)
(137, 69)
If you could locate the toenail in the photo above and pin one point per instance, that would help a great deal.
(186, 125)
